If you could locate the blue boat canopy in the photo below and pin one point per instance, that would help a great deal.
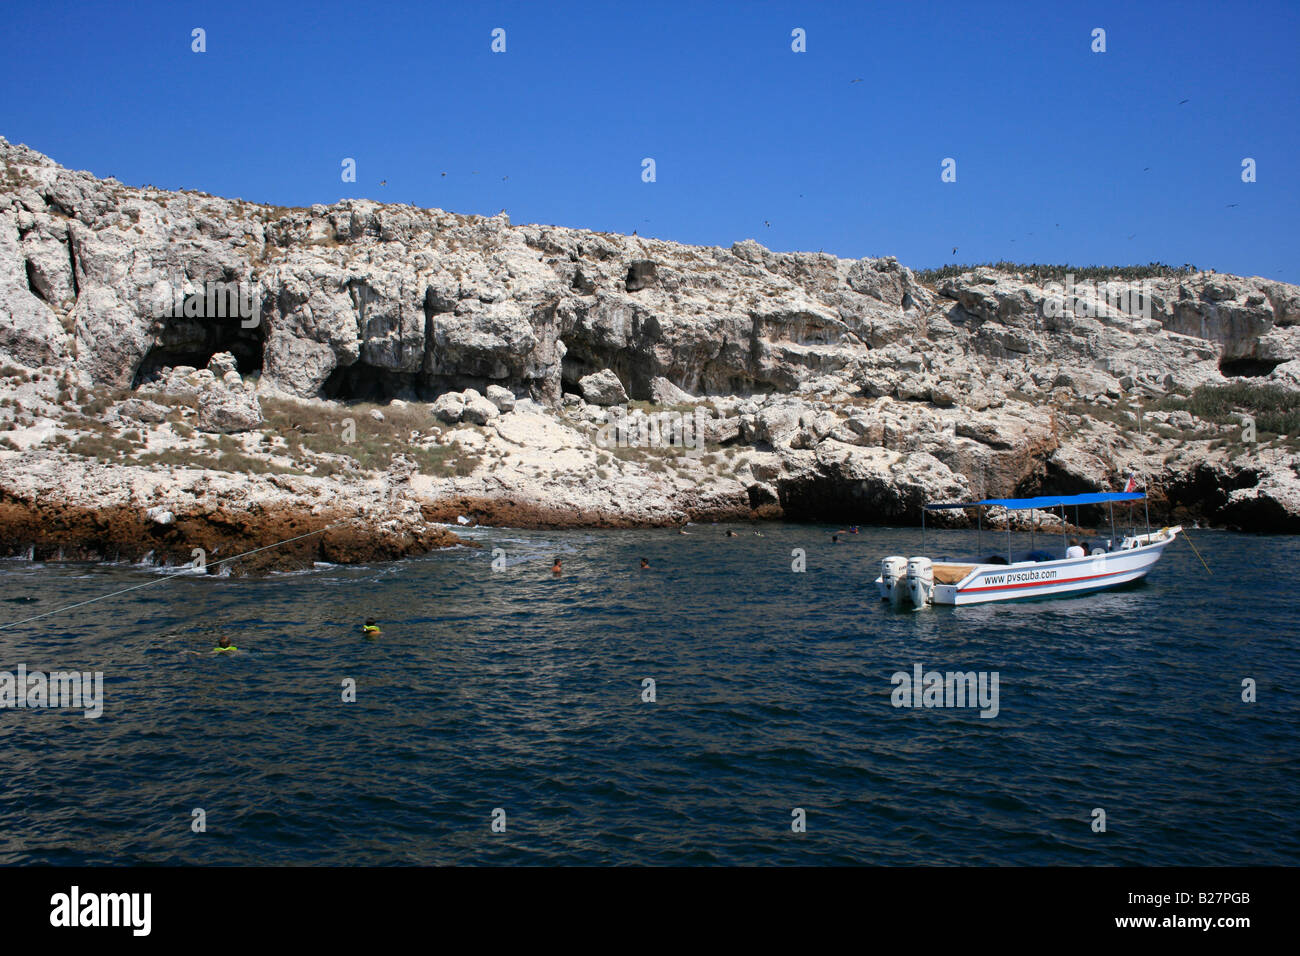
(1046, 501)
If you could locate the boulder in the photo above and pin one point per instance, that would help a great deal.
(477, 410)
(664, 392)
(449, 407)
(502, 398)
(603, 388)
(225, 410)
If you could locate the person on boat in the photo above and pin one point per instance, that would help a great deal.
(645, 565)
(224, 646)
(557, 568)
(1075, 550)
(370, 628)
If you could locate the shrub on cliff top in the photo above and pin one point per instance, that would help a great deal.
(1056, 273)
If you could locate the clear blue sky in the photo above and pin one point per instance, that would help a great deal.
(742, 129)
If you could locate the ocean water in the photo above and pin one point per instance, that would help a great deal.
(517, 691)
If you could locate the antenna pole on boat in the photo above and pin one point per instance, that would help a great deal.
(979, 530)
(1007, 512)
(1111, 505)
(1146, 508)
(1064, 537)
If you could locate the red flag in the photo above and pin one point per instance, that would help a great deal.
(1132, 483)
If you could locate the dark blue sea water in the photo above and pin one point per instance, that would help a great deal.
(520, 691)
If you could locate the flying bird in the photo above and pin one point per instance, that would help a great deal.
(954, 250)
(504, 178)
(858, 80)
(444, 174)
(1146, 169)
(1181, 102)
(1134, 234)
(766, 223)
(383, 182)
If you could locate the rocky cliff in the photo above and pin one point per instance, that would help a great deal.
(413, 366)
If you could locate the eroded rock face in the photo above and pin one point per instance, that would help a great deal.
(824, 383)
(411, 303)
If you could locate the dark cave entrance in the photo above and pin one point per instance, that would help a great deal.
(1247, 367)
(360, 382)
(193, 342)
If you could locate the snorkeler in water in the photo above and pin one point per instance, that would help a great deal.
(370, 628)
(557, 568)
(223, 646)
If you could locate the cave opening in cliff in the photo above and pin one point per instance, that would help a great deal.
(361, 382)
(193, 342)
(841, 501)
(577, 364)
(1247, 367)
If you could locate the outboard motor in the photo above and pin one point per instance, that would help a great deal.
(893, 580)
(920, 581)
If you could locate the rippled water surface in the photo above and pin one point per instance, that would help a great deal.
(513, 689)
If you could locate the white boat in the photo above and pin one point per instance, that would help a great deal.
(922, 581)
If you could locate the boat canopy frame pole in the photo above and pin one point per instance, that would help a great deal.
(979, 532)
(1112, 526)
(1147, 510)
(923, 529)
(1064, 538)
(1007, 512)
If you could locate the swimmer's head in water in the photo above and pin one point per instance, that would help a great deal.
(645, 563)
(370, 622)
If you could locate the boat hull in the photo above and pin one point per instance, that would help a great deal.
(986, 583)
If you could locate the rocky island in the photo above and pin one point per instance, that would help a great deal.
(180, 371)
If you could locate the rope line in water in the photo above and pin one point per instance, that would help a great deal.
(163, 579)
